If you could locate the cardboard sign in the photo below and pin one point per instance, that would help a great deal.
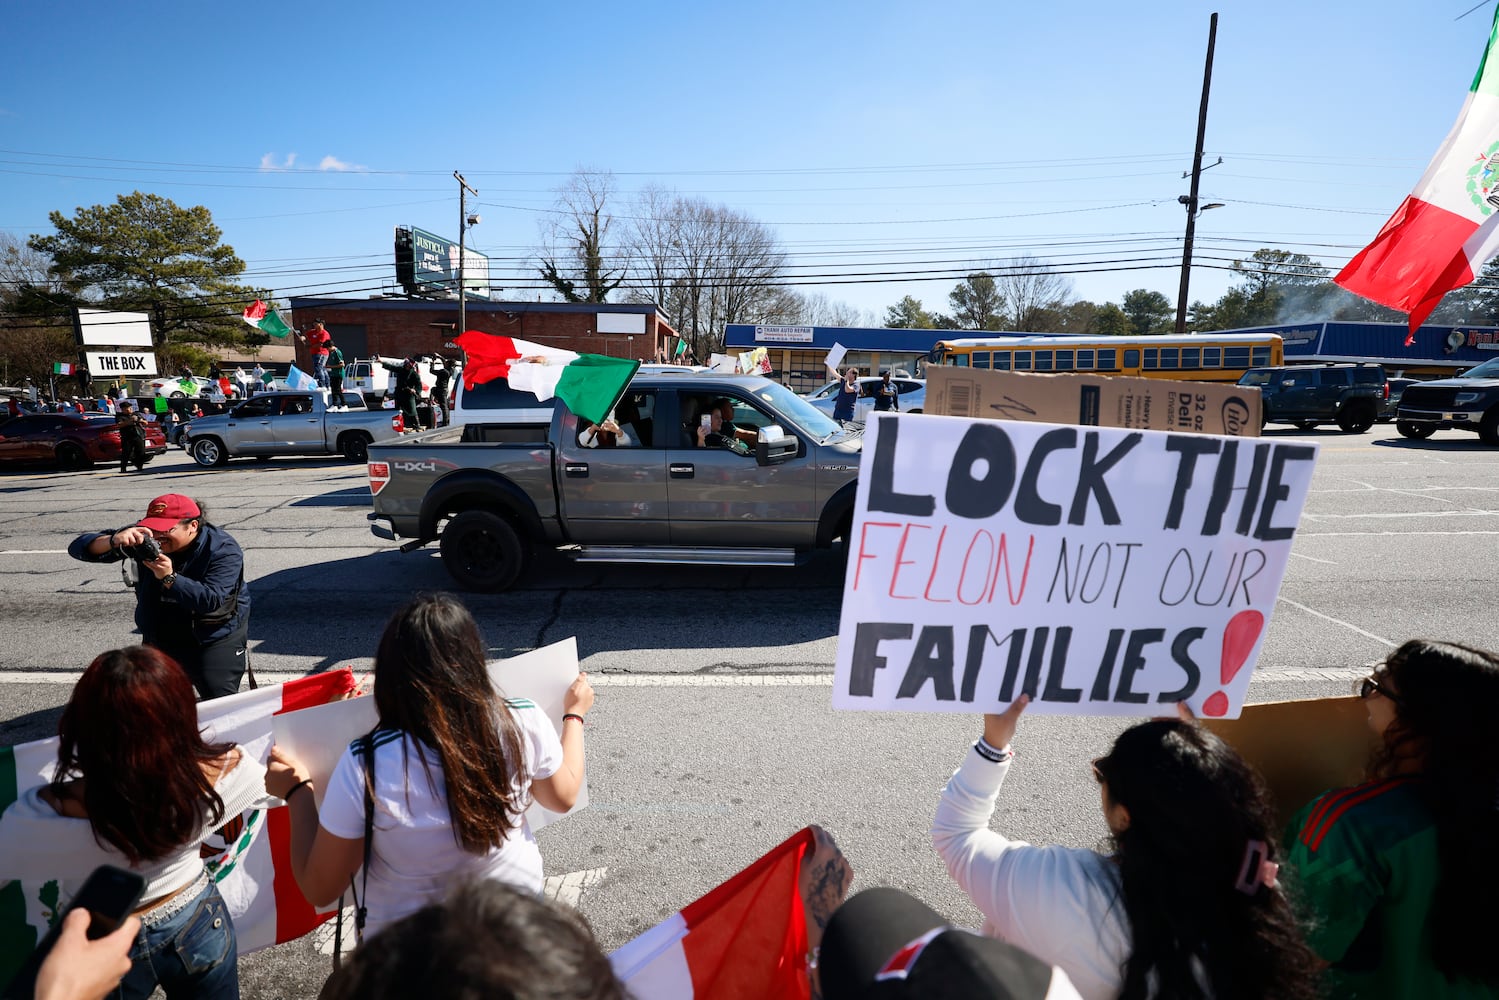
(1094, 400)
(1103, 571)
(317, 737)
(1301, 748)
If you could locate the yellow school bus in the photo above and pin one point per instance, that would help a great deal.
(1204, 357)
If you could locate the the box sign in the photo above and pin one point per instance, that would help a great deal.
(783, 334)
(103, 364)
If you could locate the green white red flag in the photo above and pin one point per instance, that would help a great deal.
(1448, 226)
(590, 384)
(250, 857)
(61, 368)
(265, 319)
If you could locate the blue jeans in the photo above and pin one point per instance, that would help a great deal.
(190, 955)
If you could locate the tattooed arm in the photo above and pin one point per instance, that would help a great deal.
(825, 878)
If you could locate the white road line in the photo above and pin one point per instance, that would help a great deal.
(1391, 534)
(1400, 515)
(1325, 562)
(569, 888)
(33, 552)
(1336, 621)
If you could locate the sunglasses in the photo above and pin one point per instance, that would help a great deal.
(1369, 686)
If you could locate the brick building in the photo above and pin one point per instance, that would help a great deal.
(400, 327)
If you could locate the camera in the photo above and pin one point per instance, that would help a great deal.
(146, 550)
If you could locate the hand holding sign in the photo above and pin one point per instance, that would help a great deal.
(999, 730)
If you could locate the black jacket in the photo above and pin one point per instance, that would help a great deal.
(208, 573)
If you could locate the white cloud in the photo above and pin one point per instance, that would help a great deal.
(334, 163)
(268, 162)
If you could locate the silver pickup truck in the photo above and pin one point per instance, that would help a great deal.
(289, 423)
(767, 491)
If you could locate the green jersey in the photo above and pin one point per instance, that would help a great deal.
(1366, 865)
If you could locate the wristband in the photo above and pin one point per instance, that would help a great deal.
(987, 751)
(295, 788)
(573, 715)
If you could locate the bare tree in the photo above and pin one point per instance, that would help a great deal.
(1033, 293)
(572, 259)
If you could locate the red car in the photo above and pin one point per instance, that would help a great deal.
(71, 440)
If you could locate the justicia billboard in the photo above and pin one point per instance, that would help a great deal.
(427, 264)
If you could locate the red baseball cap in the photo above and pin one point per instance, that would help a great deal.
(165, 511)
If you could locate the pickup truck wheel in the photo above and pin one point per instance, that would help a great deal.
(1415, 431)
(1356, 417)
(355, 445)
(481, 551)
(1488, 428)
(209, 452)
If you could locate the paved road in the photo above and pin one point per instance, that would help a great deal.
(712, 739)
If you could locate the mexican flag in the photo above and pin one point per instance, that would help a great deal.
(265, 319)
(1448, 226)
(61, 368)
(746, 938)
(250, 856)
(590, 384)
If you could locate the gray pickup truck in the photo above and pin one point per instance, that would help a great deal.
(775, 486)
(1468, 402)
(289, 423)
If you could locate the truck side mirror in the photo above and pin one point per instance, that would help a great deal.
(774, 446)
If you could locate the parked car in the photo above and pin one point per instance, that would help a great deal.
(911, 399)
(1392, 404)
(70, 440)
(489, 492)
(1350, 395)
(178, 388)
(1469, 402)
(289, 423)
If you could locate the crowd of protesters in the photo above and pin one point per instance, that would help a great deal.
(1384, 889)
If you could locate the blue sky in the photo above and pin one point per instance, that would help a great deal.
(873, 137)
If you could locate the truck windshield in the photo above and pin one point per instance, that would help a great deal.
(809, 418)
(1489, 369)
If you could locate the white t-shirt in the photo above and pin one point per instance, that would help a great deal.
(415, 855)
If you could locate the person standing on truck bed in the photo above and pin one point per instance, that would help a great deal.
(408, 388)
(442, 375)
(336, 374)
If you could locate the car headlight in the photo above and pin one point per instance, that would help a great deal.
(1466, 397)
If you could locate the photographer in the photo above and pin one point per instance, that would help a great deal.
(192, 602)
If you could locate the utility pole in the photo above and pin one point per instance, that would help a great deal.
(463, 224)
(1190, 200)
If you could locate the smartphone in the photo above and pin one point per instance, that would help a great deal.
(706, 421)
(110, 895)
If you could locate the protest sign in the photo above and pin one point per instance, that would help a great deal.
(317, 737)
(1101, 570)
(835, 356)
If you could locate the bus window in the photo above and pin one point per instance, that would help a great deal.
(1043, 361)
(1151, 362)
(961, 360)
(981, 359)
(1106, 362)
(1022, 361)
(1210, 357)
(1191, 358)
(1262, 355)
(1132, 358)
(1236, 357)
(1168, 357)
(1064, 361)
(1002, 361)
(1085, 360)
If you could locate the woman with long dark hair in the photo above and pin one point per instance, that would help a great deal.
(1401, 874)
(1185, 904)
(137, 786)
(450, 769)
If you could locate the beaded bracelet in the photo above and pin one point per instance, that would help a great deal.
(987, 751)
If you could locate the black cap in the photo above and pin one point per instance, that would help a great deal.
(883, 944)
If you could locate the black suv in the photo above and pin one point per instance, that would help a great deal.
(1308, 395)
(1468, 402)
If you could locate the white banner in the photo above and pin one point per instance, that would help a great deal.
(105, 328)
(1103, 571)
